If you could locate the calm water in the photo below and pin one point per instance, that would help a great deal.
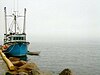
(83, 58)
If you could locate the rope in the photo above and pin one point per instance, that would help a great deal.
(18, 28)
(11, 26)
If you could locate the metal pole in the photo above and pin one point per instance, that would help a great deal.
(24, 20)
(15, 22)
(5, 21)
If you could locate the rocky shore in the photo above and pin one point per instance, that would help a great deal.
(26, 68)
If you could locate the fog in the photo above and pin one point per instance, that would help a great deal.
(56, 20)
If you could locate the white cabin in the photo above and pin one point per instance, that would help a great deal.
(15, 38)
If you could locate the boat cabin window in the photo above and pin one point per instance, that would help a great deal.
(9, 38)
(18, 38)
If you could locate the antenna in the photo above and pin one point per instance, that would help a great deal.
(5, 21)
(24, 20)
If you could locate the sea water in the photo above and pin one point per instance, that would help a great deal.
(83, 58)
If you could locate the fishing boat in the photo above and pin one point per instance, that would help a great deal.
(15, 43)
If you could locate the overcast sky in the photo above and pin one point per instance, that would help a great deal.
(57, 18)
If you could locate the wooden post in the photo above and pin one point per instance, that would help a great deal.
(8, 62)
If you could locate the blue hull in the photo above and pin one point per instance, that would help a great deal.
(18, 49)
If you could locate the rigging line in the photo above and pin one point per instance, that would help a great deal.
(11, 25)
(18, 27)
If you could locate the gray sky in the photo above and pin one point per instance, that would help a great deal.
(57, 19)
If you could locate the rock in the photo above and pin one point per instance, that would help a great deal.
(7, 73)
(11, 73)
(39, 72)
(22, 70)
(22, 73)
(14, 59)
(66, 72)
(28, 66)
(35, 72)
(19, 63)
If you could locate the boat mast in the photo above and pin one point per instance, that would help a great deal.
(24, 20)
(15, 22)
(5, 21)
(15, 15)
